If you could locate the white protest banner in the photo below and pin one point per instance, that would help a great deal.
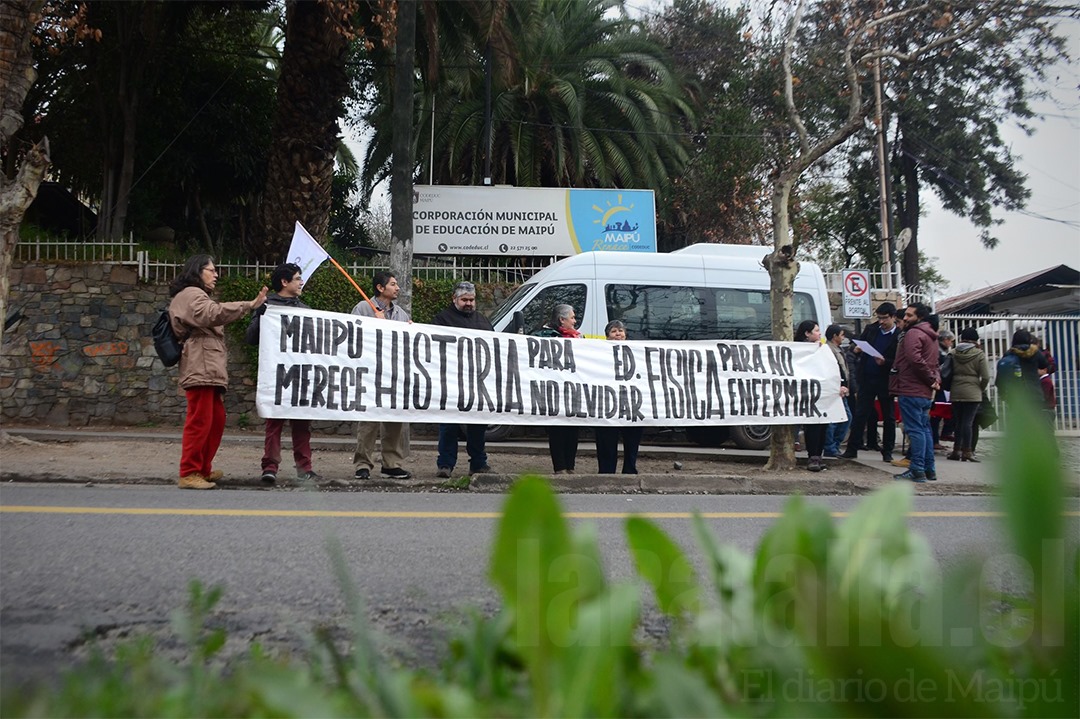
(305, 252)
(330, 366)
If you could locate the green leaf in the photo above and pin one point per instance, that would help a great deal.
(535, 568)
(602, 646)
(790, 566)
(660, 561)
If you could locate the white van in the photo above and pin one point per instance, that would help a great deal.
(701, 292)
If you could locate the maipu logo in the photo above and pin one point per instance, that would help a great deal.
(620, 220)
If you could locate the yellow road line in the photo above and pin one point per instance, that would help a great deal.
(371, 514)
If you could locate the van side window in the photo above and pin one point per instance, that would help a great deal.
(538, 311)
(654, 312)
(698, 313)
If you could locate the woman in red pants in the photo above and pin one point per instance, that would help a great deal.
(200, 322)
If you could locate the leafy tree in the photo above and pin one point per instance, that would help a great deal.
(581, 97)
(311, 90)
(823, 71)
(949, 109)
(718, 197)
(183, 144)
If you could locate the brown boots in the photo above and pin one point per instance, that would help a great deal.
(968, 456)
(195, 481)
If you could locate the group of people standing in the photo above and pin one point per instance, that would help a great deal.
(199, 321)
(912, 365)
(908, 361)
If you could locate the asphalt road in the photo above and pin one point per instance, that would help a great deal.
(108, 561)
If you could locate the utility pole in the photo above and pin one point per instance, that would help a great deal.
(401, 184)
(883, 185)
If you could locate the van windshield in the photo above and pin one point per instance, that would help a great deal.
(657, 312)
(510, 302)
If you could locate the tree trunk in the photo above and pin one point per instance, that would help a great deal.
(911, 221)
(17, 75)
(782, 267)
(401, 173)
(300, 166)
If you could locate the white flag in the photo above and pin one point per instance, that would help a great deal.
(305, 252)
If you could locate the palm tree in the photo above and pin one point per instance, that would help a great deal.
(300, 168)
(580, 97)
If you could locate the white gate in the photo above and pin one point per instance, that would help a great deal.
(1059, 333)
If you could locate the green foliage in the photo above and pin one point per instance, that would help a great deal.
(827, 619)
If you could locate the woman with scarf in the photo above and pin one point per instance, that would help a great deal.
(562, 439)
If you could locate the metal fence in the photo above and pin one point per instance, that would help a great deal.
(1058, 333)
(483, 270)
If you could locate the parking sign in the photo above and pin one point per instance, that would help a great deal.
(856, 293)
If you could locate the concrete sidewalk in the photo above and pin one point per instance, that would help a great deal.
(709, 470)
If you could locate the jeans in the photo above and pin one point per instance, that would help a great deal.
(915, 413)
(474, 445)
(834, 435)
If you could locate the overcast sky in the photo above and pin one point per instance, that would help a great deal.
(1047, 237)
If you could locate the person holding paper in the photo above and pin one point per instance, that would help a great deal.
(288, 284)
(873, 380)
(395, 435)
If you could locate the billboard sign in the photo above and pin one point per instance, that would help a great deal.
(453, 220)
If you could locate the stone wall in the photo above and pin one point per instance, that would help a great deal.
(82, 354)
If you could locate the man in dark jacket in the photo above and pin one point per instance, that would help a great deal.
(288, 285)
(873, 383)
(462, 313)
(914, 380)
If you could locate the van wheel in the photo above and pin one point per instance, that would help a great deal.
(752, 436)
(498, 432)
(707, 436)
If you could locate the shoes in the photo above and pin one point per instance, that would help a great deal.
(483, 470)
(443, 473)
(830, 455)
(561, 471)
(886, 456)
(269, 477)
(902, 462)
(850, 454)
(215, 475)
(395, 473)
(969, 457)
(873, 447)
(954, 455)
(931, 475)
(362, 473)
(195, 481)
(912, 475)
(309, 476)
(815, 464)
(939, 447)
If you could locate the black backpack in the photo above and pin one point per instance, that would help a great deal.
(168, 346)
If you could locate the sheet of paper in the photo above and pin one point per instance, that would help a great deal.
(867, 348)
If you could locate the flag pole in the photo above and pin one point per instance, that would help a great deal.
(349, 277)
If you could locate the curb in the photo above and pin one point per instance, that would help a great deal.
(574, 484)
